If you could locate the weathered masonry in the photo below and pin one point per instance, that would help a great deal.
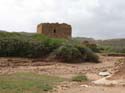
(55, 30)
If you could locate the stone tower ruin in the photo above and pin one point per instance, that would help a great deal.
(55, 30)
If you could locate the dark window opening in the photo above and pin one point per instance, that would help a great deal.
(54, 31)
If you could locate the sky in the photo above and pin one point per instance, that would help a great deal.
(99, 19)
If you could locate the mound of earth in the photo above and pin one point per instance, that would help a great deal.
(119, 73)
(117, 78)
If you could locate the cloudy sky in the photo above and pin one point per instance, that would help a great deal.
(100, 19)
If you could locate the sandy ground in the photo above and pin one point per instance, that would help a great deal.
(94, 89)
(91, 70)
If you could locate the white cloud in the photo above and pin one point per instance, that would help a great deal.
(89, 18)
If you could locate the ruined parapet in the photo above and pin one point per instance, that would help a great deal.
(55, 30)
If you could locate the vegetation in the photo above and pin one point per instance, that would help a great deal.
(24, 45)
(68, 53)
(27, 83)
(88, 54)
(79, 78)
(36, 45)
(112, 46)
(88, 42)
(74, 53)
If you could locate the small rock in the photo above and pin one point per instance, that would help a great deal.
(84, 86)
(104, 74)
(104, 81)
(65, 86)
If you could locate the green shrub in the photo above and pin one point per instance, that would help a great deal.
(39, 37)
(49, 43)
(93, 47)
(24, 45)
(14, 47)
(68, 53)
(46, 87)
(88, 44)
(79, 78)
(75, 53)
(88, 54)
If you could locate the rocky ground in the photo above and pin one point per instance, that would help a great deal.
(91, 70)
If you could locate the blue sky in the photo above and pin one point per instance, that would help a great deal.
(100, 19)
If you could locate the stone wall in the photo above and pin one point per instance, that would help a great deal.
(55, 30)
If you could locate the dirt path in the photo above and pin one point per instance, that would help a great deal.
(11, 65)
(91, 70)
(94, 89)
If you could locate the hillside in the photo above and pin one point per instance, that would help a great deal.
(83, 39)
(113, 42)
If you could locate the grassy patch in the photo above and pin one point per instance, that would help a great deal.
(79, 78)
(27, 83)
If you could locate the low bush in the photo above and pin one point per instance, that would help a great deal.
(75, 53)
(22, 48)
(93, 47)
(79, 78)
(19, 45)
(88, 54)
(68, 53)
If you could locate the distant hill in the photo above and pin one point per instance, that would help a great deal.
(83, 39)
(113, 42)
(3, 31)
(116, 45)
(6, 33)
